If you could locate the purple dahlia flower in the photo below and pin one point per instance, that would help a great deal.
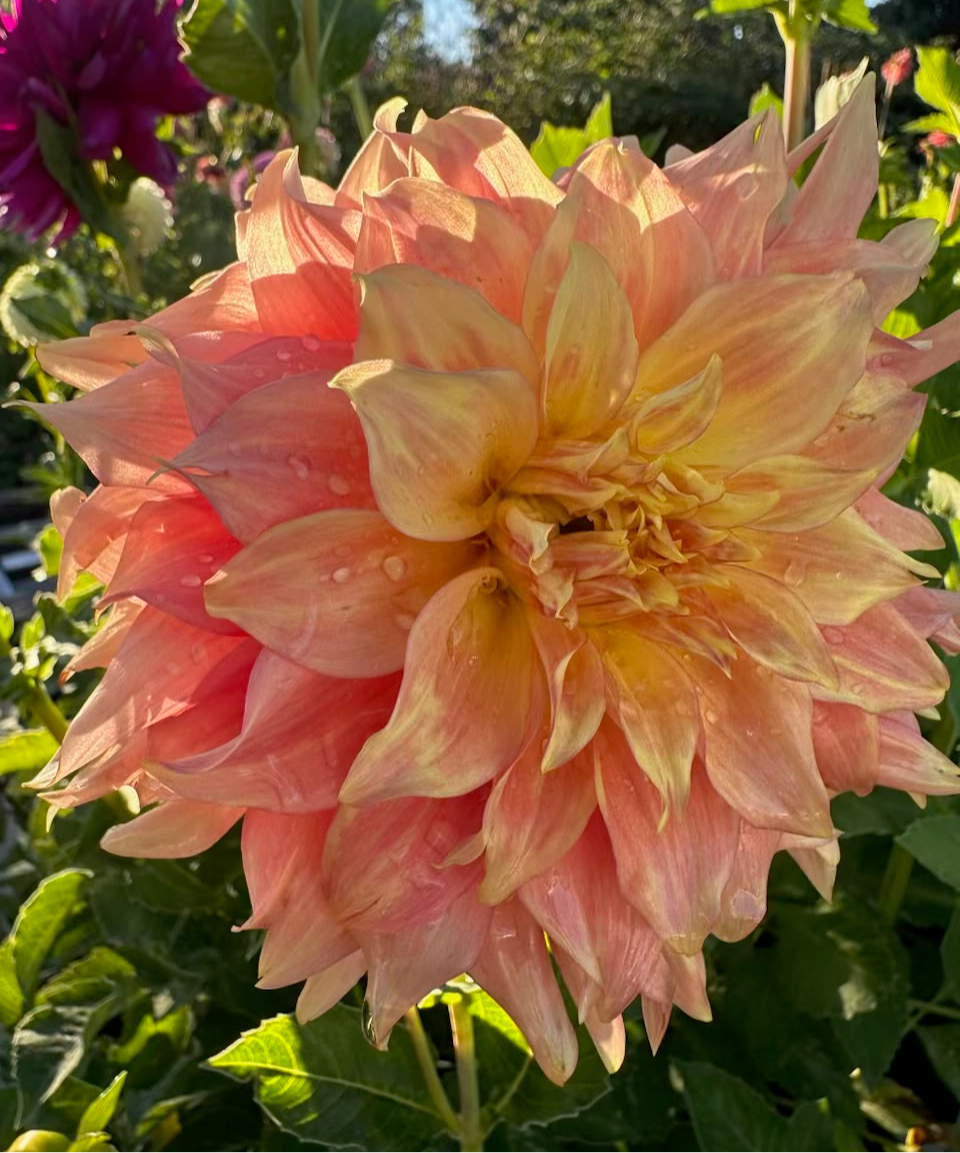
(105, 69)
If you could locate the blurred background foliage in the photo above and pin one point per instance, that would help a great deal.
(128, 1013)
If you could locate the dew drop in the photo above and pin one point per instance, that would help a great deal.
(338, 485)
(234, 448)
(283, 355)
(191, 581)
(405, 621)
(301, 468)
(795, 573)
(198, 652)
(394, 567)
(310, 343)
(834, 636)
(341, 575)
(367, 1026)
(710, 716)
(205, 558)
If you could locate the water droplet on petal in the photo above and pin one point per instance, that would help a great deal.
(834, 636)
(234, 448)
(710, 716)
(341, 575)
(367, 1026)
(205, 558)
(795, 573)
(338, 485)
(191, 581)
(394, 567)
(198, 652)
(301, 468)
(283, 355)
(405, 621)
(310, 343)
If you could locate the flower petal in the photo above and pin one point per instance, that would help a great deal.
(846, 745)
(461, 238)
(759, 752)
(744, 898)
(810, 493)
(463, 332)
(292, 759)
(441, 444)
(590, 354)
(773, 334)
(673, 872)
(838, 570)
(172, 829)
(656, 707)
(772, 625)
(323, 990)
(514, 968)
(408, 880)
(732, 188)
(337, 592)
(468, 703)
(246, 466)
(532, 819)
(910, 763)
(670, 420)
(574, 674)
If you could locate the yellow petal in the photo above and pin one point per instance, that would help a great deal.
(440, 444)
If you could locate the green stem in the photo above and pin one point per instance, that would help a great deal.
(129, 266)
(953, 210)
(361, 109)
(461, 1022)
(421, 1046)
(893, 887)
(40, 703)
(796, 81)
(938, 1010)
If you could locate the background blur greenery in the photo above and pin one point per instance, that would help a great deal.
(123, 990)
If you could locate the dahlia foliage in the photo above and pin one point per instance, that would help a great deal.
(103, 70)
(510, 559)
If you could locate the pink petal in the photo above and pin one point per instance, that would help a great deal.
(759, 752)
(771, 624)
(732, 188)
(809, 492)
(474, 242)
(744, 898)
(405, 966)
(469, 700)
(907, 529)
(256, 475)
(514, 968)
(89, 362)
(408, 879)
(674, 872)
(620, 204)
(95, 536)
(574, 673)
(172, 546)
(290, 759)
(323, 990)
(910, 763)
(673, 419)
(532, 819)
(846, 745)
(337, 592)
(441, 444)
(172, 829)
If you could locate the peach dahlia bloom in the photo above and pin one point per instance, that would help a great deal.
(510, 558)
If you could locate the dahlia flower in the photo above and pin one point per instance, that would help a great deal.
(105, 69)
(510, 558)
(898, 67)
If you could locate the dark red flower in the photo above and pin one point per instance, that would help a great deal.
(105, 69)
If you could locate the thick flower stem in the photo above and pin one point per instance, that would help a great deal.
(361, 109)
(465, 1049)
(796, 83)
(421, 1046)
(953, 210)
(129, 266)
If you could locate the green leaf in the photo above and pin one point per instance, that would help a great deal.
(729, 7)
(484, 1008)
(765, 98)
(556, 148)
(935, 122)
(59, 149)
(6, 623)
(935, 843)
(99, 1113)
(50, 547)
(37, 926)
(938, 83)
(26, 751)
(348, 29)
(322, 1082)
(244, 48)
(728, 1114)
(884, 812)
(942, 1043)
(852, 14)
